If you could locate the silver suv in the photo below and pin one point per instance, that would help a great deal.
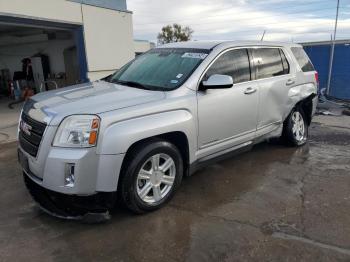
(133, 135)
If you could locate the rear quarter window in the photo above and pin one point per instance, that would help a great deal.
(303, 60)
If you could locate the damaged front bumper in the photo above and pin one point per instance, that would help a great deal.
(90, 209)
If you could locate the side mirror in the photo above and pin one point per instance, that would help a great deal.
(217, 82)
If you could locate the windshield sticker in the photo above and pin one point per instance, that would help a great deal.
(174, 81)
(179, 76)
(195, 55)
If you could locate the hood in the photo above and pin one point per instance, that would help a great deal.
(89, 98)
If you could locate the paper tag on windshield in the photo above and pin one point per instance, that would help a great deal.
(179, 76)
(195, 55)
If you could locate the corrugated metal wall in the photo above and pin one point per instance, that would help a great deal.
(340, 82)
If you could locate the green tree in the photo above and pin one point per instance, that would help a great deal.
(174, 33)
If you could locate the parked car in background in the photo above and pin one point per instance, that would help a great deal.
(134, 135)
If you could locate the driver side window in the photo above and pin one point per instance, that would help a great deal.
(234, 63)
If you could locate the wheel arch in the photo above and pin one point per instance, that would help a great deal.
(307, 106)
(120, 138)
(177, 138)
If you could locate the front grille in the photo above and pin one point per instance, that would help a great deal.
(30, 138)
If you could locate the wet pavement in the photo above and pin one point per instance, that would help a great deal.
(270, 204)
(8, 120)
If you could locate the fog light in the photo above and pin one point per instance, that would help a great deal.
(69, 176)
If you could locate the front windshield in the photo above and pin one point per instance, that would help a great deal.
(160, 69)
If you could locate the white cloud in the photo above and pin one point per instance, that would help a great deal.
(242, 19)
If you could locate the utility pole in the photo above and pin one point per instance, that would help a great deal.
(332, 51)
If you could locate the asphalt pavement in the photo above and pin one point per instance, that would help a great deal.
(273, 203)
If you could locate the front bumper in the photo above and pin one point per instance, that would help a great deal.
(93, 172)
(93, 208)
(93, 194)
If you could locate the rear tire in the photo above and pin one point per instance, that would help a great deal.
(295, 128)
(151, 176)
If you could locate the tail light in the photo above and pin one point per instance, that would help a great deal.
(317, 82)
(316, 78)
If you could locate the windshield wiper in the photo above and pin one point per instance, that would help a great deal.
(132, 84)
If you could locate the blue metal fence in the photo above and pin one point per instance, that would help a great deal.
(340, 81)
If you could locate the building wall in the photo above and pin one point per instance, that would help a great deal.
(108, 33)
(141, 46)
(108, 40)
(110, 4)
(59, 10)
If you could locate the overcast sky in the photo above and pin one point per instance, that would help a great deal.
(283, 20)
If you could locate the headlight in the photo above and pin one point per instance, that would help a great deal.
(78, 131)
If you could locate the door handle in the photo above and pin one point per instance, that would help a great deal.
(290, 82)
(250, 90)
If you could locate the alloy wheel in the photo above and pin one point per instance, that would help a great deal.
(298, 127)
(156, 178)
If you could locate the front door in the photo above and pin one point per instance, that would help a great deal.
(228, 117)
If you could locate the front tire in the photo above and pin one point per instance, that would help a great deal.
(295, 128)
(151, 176)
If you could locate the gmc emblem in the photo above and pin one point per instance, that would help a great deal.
(25, 128)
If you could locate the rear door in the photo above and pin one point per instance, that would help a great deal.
(275, 79)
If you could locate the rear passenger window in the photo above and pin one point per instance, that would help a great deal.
(303, 59)
(268, 62)
(234, 63)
